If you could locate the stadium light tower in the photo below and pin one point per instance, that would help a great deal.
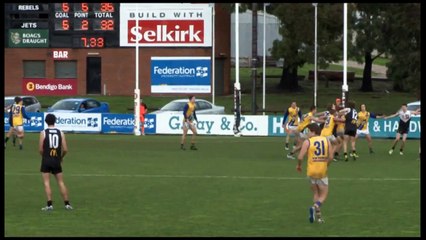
(315, 58)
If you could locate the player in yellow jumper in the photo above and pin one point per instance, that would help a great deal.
(291, 121)
(17, 114)
(189, 116)
(320, 154)
(300, 136)
(329, 125)
(362, 123)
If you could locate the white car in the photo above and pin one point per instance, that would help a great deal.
(201, 107)
(31, 103)
(413, 106)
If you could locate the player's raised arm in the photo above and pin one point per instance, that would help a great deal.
(317, 119)
(417, 112)
(344, 111)
(391, 116)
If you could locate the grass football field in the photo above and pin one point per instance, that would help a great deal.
(123, 185)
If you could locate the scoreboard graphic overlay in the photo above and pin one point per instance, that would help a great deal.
(66, 24)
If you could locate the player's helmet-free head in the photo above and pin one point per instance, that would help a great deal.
(50, 119)
(18, 99)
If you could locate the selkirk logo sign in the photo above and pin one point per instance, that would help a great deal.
(173, 25)
(173, 31)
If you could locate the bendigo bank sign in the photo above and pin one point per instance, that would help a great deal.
(46, 87)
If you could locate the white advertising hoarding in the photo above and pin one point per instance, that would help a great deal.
(180, 74)
(166, 25)
(77, 122)
(171, 123)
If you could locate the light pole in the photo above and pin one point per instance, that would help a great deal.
(137, 131)
(264, 57)
(315, 58)
(345, 87)
(237, 86)
(213, 54)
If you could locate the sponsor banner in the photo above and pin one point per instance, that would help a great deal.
(49, 87)
(171, 123)
(28, 38)
(180, 74)
(388, 128)
(34, 124)
(166, 25)
(77, 122)
(379, 128)
(125, 123)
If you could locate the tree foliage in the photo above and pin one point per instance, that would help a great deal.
(369, 24)
(298, 31)
(404, 46)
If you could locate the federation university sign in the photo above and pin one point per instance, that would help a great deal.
(180, 74)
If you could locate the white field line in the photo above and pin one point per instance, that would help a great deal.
(216, 176)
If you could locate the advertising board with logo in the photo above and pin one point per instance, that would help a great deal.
(171, 123)
(49, 87)
(388, 127)
(24, 38)
(125, 123)
(34, 124)
(171, 25)
(379, 128)
(180, 74)
(78, 122)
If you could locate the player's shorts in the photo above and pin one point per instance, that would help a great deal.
(289, 128)
(303, 136)
(49, 166)
(340, 132)
(319, 181)
(363, 132)
(403, 127)
(189, 125)
(331, 138)
(19, 128)
(350, 132)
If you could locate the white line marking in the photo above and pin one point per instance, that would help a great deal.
(208, 176)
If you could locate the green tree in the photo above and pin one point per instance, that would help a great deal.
(297, 29)
(404, 42)
(368, 22)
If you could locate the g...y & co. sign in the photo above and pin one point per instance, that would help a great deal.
(54, 87)
(171, 25)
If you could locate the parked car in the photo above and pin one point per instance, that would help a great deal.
(201, 106)
(31, 103)
(79, 105)
(413, 106)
